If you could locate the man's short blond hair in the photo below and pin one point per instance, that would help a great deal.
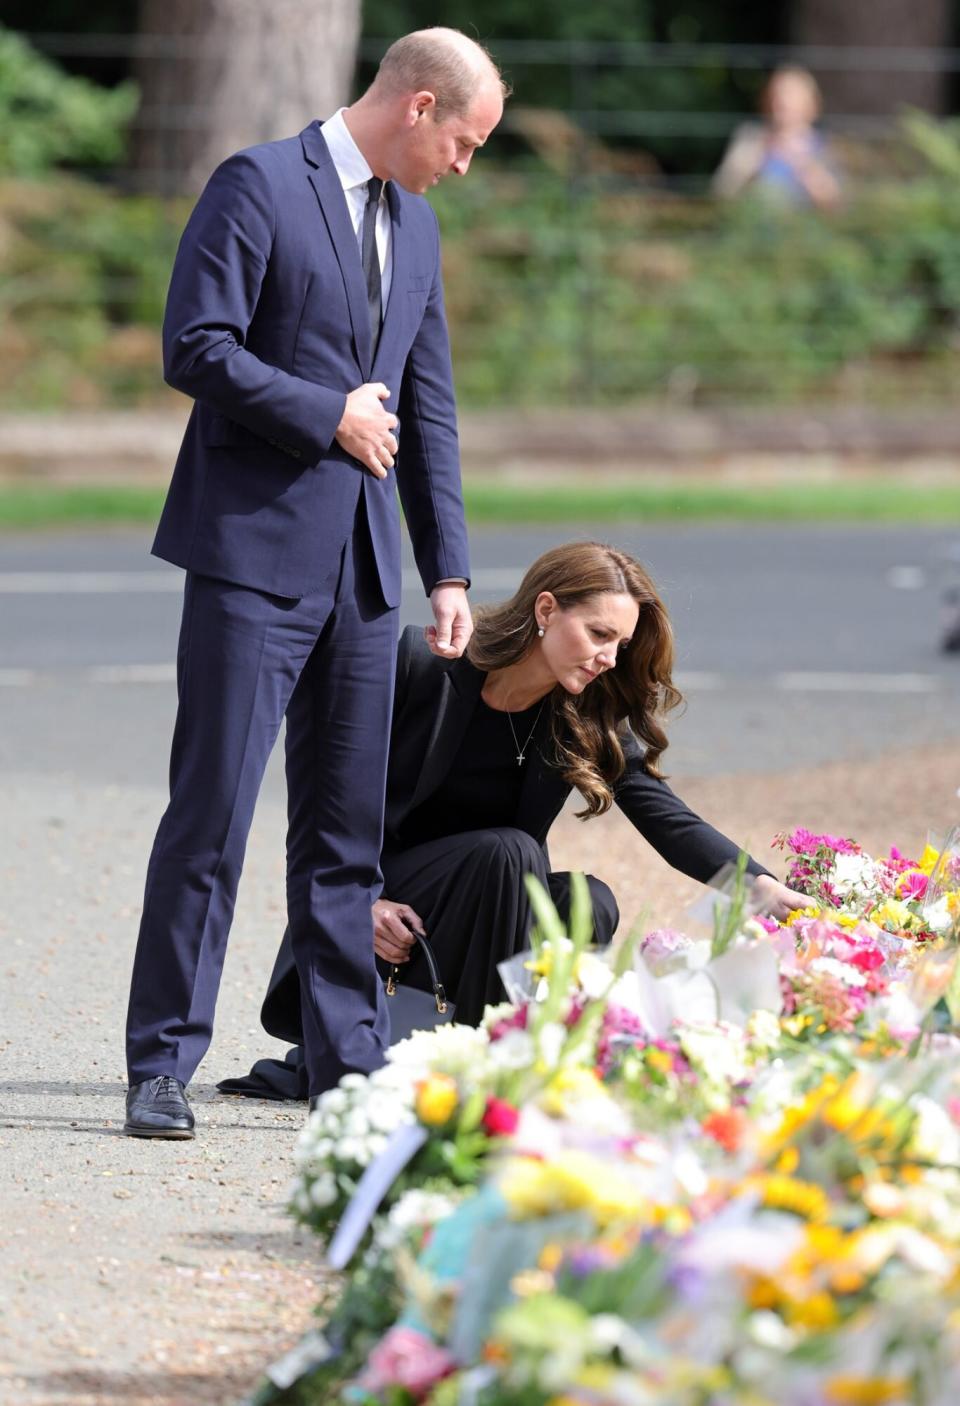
(444, 62)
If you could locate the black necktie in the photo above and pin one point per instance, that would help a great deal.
(371, 259)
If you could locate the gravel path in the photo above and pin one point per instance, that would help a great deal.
(167, 1273)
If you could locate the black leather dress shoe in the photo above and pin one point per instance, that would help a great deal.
(314, 1102)
(158, 1108)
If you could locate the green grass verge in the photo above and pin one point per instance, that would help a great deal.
(853, 500)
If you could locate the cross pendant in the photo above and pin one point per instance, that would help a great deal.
(520, 758)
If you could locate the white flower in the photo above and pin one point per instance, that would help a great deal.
(352, 1150)
(594, 976)
(763, 1027)
(334, 1100)
(376, 1143)
(935, 1135)
(718, 1050)
(323, 1191)
(769, 1330)
(385, 1111)
(355, 1124)
(550, 1041)
(514, 1050)
(937, 916)
(352, 1081)
(853, 871)
(448, 1049)
(843, 971)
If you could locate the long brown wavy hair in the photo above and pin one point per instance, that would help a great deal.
(588, 728)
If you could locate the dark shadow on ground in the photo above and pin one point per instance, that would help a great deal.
(146, 1388)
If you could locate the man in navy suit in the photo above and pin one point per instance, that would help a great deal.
(305, 317)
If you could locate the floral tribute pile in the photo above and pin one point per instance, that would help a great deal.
(706, 1171)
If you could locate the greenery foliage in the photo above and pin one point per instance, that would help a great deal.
(558, 290)
(49, 119)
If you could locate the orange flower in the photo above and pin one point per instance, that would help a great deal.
(727, 1128)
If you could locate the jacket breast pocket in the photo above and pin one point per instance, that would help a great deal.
(419, 283)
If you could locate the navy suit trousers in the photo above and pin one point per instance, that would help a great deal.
(247, 658)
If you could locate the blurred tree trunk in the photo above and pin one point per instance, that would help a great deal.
(218, 75)
(903, 24)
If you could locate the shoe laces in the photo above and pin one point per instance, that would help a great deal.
(166, 1086)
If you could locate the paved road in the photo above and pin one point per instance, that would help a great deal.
(166, 1273)
(795, 645)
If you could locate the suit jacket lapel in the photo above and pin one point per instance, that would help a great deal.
(333, 204)
(458, 699)
(401, 252)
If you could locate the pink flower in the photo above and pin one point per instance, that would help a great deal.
(866, 959)
(841, 846)
(913, 886)
(405, 1358)
(517, 1020)
(500, 1118)
(803, 841)
(768, 924)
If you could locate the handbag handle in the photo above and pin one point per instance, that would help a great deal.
(439, 995)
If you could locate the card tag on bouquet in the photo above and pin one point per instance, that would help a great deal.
(404, 1144)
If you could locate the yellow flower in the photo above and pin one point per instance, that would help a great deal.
(659, 1060)
(570, 1086)
(795, 913)
(571, 1181)
(849, 1390)
(550, 1256)
(928, 860)
(804, 1198)
(437, 1099)
(846, 920)
(895, 911)
(818, 1312)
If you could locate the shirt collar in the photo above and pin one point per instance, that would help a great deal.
(350, 162)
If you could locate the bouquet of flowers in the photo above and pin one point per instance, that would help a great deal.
(712, 1171)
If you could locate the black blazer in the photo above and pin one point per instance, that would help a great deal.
(434, 701)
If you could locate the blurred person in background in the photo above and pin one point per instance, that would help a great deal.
(785, 156)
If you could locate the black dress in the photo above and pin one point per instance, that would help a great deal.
(460, 863)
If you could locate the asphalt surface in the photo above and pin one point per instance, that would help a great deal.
(167, 1274)
(795, 644)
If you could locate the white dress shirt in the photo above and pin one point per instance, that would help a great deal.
(354, 172)
(352, 168)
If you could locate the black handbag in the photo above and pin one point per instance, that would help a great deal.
(412, 1009)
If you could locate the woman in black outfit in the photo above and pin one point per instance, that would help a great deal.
(565, 685)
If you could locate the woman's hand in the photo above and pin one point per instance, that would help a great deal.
(776, 899)
(392, 938)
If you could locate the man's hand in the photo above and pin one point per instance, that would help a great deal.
(366, 430)
(777, 899)
(392, 938)
(454, 623)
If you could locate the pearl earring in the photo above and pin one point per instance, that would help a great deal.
(540, 632)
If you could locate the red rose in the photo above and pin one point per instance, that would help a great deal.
(500, 1118)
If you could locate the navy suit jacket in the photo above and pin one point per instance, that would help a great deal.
(267, 328)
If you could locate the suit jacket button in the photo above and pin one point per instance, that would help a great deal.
(297, 453)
